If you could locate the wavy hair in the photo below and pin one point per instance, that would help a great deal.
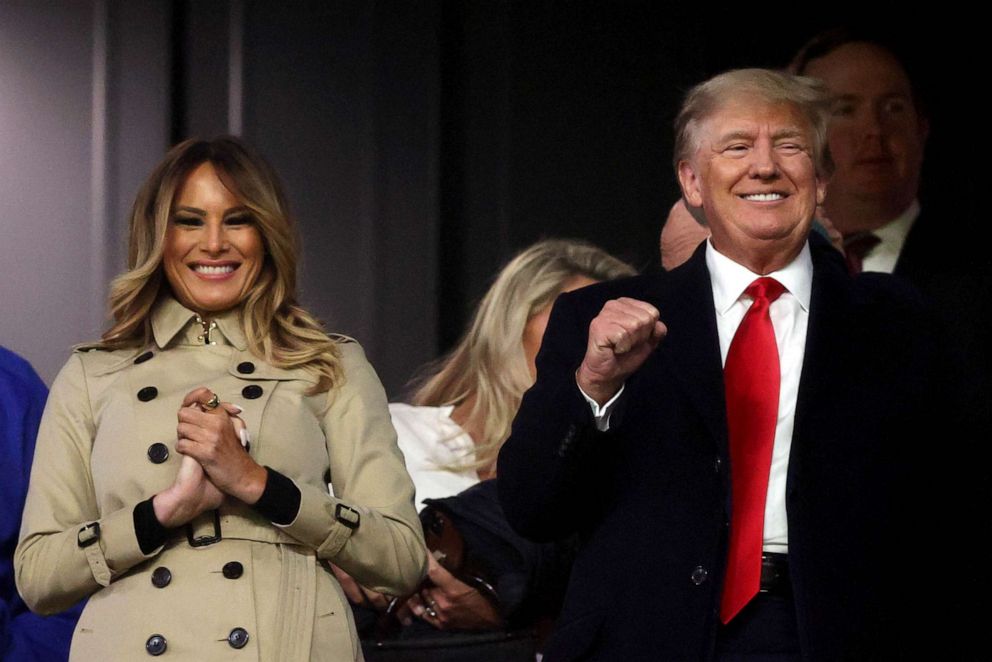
(277, 329)
(808, 95)
(488, 365)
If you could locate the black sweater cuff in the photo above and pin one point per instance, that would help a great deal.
(149, 531)
(280, 501)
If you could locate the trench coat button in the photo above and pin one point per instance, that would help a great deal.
(158, 452)
(148, 393)
(238, 638)
(252, 391)
(232, 569)
(156, 645)
(246, 367)
(144, 357)
(699, 575)
(161, 577)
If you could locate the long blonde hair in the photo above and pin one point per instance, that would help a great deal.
(488, 364)
(276, 328)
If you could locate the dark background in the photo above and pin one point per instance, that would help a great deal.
(423, 142)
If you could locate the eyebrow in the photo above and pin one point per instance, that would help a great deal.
(788, 132)
(736, 135)
(200, 212)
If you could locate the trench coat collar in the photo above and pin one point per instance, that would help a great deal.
(170, 318)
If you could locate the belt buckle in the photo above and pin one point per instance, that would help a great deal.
(203, 541)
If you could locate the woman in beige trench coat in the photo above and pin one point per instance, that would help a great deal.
(197, 471)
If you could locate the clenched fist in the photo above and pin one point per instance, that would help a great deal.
(621, 338)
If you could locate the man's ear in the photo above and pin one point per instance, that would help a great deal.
(691, 186)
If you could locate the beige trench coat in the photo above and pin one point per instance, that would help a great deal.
(261, 587)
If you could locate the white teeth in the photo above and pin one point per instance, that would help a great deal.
(204, 269)
(764, 197)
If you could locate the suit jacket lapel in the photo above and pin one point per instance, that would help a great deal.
(692, 348)
(919, 246)
(823, 356)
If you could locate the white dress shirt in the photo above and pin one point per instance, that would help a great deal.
(884, 255)
(790, 316)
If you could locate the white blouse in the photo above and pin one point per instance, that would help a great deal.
(432, 444)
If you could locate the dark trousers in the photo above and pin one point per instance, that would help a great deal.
(764, 631)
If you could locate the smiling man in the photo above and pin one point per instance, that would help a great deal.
(877, 134)
(731, 444)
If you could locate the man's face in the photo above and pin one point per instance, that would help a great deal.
(876, 136)
(752, 173)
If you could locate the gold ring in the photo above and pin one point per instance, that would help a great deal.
(212, 403)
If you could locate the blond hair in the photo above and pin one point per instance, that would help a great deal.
(276, 328)
(488, 365)
(808, 95)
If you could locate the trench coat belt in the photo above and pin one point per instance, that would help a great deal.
(235, 525)
(295, 608)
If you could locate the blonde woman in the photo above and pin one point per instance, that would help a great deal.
(461, 412)
(189, 455)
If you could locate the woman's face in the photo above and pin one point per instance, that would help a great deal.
(538, 322)
(213, 251)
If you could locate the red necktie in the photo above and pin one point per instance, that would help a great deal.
(751, 377)
(856, 246)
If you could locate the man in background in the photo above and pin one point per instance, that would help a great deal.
(877, 134)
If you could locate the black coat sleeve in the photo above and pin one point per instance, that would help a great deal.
(547, 468)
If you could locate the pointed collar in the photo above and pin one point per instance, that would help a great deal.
(170, 319)
(730, 279)
(894, 232)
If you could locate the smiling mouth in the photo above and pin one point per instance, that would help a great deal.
(214, 270)
(763, 197)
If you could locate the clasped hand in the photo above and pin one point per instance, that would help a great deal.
(214, 462)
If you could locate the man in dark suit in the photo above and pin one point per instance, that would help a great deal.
(877, 134)
(940, 244)
(738, 453)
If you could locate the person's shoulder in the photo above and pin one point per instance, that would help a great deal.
(424, 427)
(881, 290)
(423, 416)
(350, 351)
(887, 306)
(98, 360)
(401, 411)
(17, 375)
(14, 366)
(409, 416)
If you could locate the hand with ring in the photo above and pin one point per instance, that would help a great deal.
(450, 604)
(194, 491)
(216, 437)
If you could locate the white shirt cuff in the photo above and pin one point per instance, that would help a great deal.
(601, 414)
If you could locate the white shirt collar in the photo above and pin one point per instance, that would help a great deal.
(894, 232)
(730, 279)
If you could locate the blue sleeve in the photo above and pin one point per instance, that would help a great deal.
(24, 637)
